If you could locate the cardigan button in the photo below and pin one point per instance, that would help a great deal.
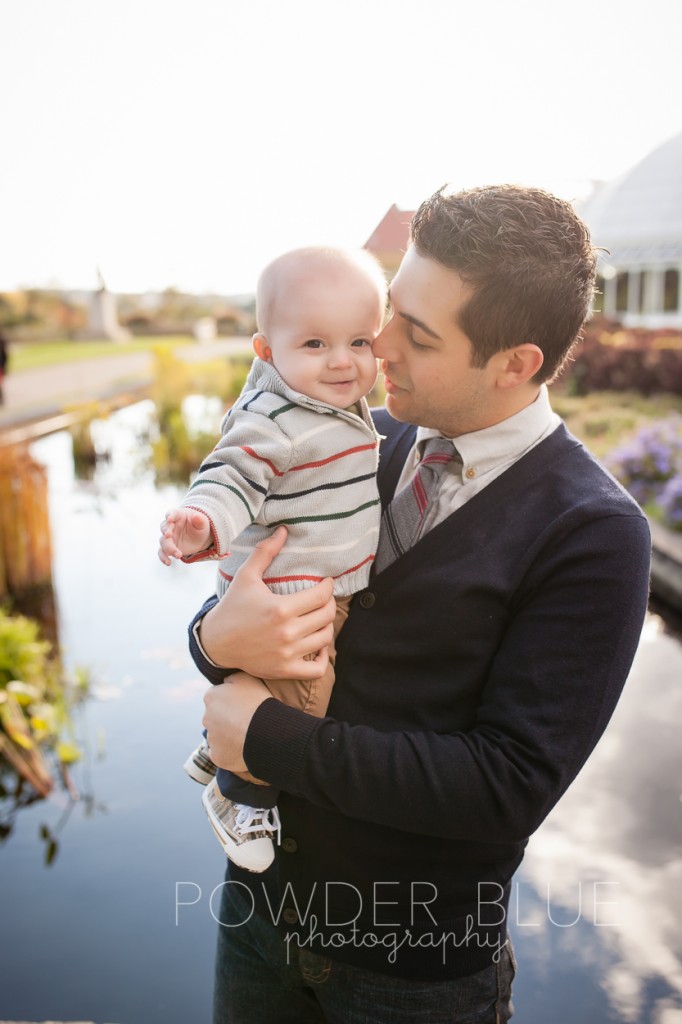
(290, 916)
(289, 845)
(368, 599)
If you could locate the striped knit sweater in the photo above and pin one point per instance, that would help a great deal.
(285, 458)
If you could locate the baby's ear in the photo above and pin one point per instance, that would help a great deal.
(261, 347)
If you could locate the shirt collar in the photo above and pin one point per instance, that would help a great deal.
(484, 450)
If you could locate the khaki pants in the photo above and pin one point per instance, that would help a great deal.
(309, 695)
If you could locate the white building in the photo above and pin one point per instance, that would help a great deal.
(638, 219)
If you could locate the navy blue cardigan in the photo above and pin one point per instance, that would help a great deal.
(474, 677)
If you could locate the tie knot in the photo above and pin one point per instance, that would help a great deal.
(437, 451)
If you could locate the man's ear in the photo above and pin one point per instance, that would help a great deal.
(261, 347)
(516, 366)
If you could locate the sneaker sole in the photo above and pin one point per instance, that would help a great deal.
(261, 852)
(196, 773)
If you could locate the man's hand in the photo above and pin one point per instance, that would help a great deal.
(229, 710)
(266, 634)
(184, 531)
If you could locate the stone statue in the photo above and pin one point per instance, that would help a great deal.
(103, 317)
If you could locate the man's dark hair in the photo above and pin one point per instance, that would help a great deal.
(529, 258)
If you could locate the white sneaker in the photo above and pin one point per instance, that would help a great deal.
(199, 765)
(245, 833)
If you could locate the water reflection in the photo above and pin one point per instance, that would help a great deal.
(618, 826)
(95, 936)
(99, 929)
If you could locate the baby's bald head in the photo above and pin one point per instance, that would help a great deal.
(308, 267)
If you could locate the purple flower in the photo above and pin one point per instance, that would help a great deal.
(670, 502)
(650, 461)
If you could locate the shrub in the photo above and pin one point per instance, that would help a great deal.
(178, 450)
(613, 359)
(36, 701)
(23, 653)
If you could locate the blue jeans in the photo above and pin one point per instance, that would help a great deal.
(259, 978)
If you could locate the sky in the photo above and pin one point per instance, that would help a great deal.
(186, 144)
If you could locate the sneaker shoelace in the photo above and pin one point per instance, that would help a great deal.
(257, 819)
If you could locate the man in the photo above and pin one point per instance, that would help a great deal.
(474, 675)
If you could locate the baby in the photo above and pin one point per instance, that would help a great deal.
(298, 448)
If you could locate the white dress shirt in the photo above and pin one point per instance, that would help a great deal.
(484, 454)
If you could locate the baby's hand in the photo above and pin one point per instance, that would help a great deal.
(184, 531)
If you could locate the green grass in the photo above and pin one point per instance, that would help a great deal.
(35, 355)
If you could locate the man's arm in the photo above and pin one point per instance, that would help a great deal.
(551, 689)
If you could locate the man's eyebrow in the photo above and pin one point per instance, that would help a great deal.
(421, 325)
(417, 323)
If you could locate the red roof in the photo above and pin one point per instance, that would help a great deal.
(392, 233)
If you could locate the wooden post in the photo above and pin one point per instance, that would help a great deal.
(25, 549)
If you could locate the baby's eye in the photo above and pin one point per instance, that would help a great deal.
(313, 343)
(361, 342)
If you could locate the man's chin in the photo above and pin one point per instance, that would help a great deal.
(397, 409)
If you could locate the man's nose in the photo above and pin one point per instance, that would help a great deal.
(384, 345)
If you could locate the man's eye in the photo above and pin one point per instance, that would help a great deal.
(313, 343)
(415, 344)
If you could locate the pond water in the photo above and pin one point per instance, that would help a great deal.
(118, 927)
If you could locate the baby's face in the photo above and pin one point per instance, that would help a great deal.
(320, 338)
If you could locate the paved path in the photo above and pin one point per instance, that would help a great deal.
(39, 395)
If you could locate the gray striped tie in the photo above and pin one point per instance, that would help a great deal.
(403, 521)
